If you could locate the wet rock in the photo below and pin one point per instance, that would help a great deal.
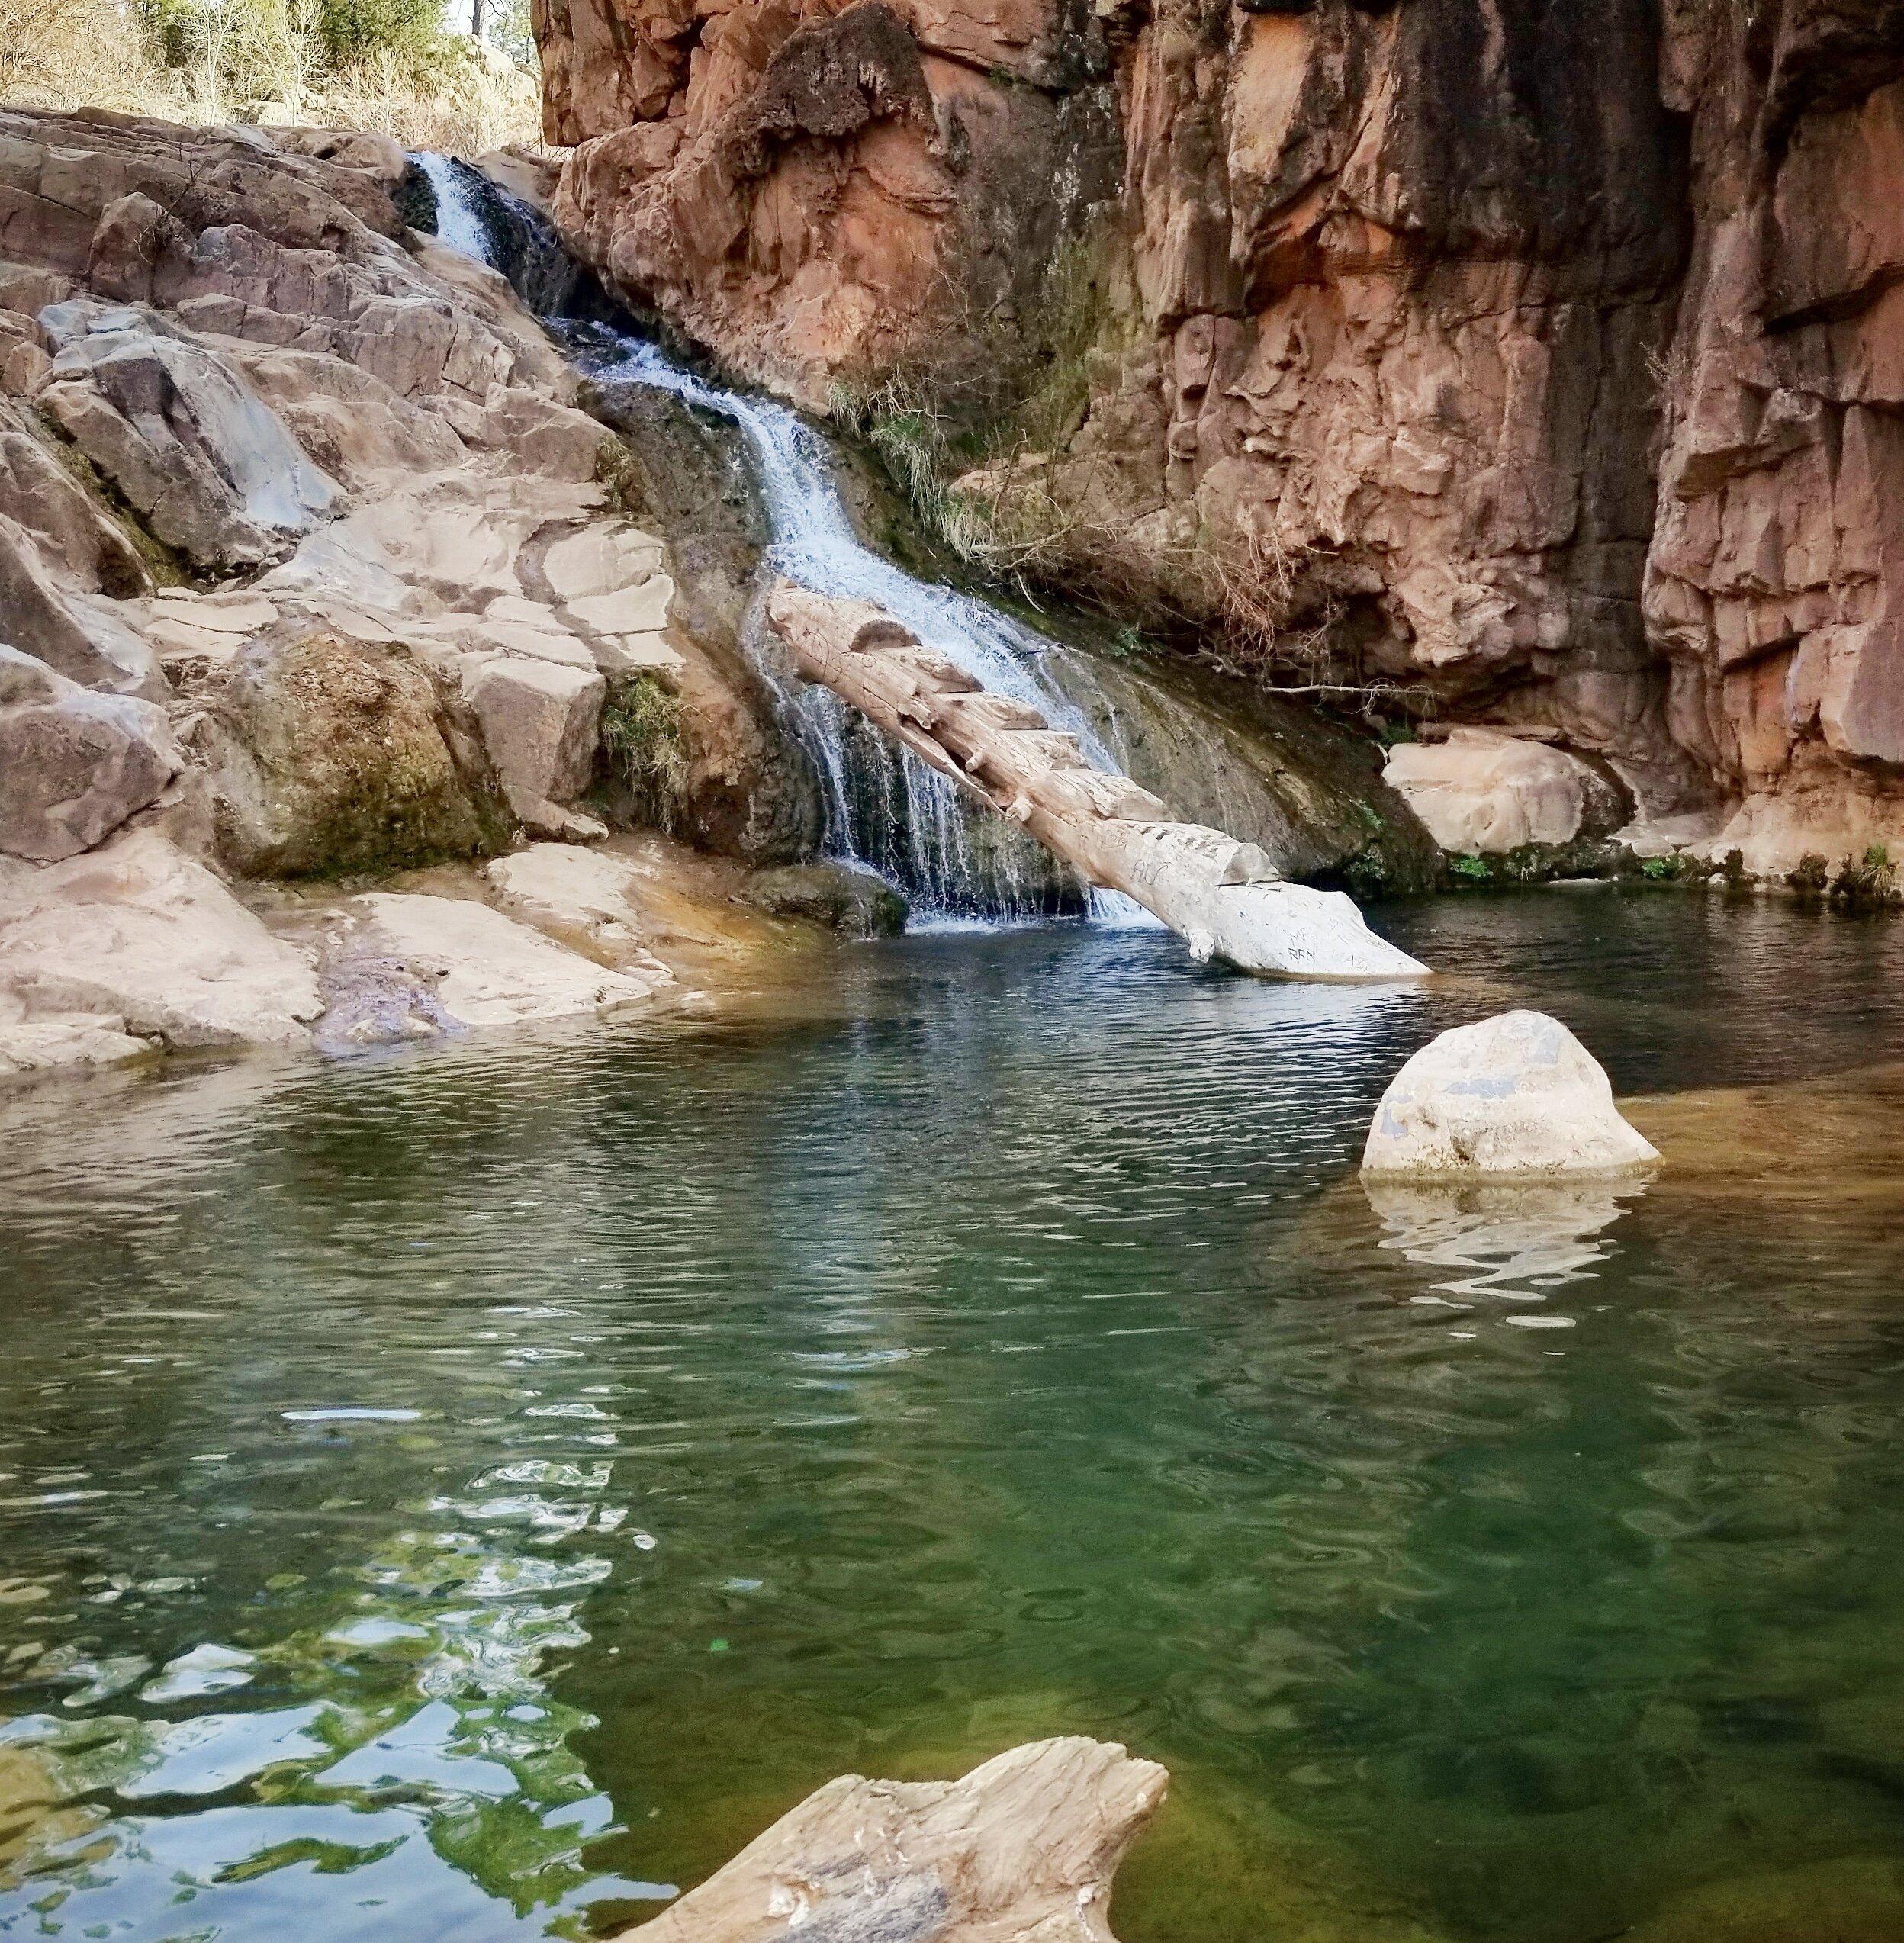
(1021, 1850)
(408, 966)
(330, 757)
(1514, 1095)
(576, 896)
(176, 428)
(855, 903)
(1480, 791)
(143, 940)
(74, 764)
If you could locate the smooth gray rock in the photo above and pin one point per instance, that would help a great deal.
(74, 764)
(179, 431)
(73, 633)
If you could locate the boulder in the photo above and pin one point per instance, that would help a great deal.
(330, 757)
(74, 764)
(179, 431)
(146, 940)
(1514, 1095)
(1021, 1850)
(855, 903)
(29, 1045)
(80, 636)
(540, 719)
(1483, 793)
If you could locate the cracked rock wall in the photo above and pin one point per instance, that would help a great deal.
(1543, 359)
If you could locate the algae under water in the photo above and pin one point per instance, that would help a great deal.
(464, 1494)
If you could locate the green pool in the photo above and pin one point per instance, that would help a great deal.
(464, 1495)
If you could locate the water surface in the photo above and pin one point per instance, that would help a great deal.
(465, 1494)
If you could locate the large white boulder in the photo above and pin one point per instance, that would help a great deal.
(74, 764)
(1481, 792)
(1515, 1095)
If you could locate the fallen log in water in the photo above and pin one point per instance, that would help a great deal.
(1021, 1850)
(1223, 897)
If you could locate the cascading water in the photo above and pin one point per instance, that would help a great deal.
(885, 809)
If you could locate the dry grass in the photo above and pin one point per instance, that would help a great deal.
(254, 65)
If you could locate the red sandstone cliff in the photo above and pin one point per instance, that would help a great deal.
(1544, 359)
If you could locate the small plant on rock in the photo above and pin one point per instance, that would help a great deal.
(644, 744)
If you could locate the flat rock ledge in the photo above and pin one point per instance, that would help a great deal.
(1021, 1850)
(1223, 898)
(1513, 1097)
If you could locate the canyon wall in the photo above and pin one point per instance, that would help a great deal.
(1537, 363)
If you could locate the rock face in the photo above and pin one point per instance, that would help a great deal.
(74, 764)
(145, 941)
(1775, 583)
(181, 434)
(1223, 898)
(1539, 363)
(1482, 793)
(1021, 1850)
(1518, 1096)
(224, 360)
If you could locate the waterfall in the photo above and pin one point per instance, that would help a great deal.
(885, 809)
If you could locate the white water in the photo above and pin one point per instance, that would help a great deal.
(886, 809)
(459, 223)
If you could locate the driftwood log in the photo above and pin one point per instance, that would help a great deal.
(1223, 898)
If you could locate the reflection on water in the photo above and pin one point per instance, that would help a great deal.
(1509, 1242)
(469, 1494)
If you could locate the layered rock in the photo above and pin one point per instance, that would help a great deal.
(1776, 579)
(796, 183)
(1386, 321)
(311, 567)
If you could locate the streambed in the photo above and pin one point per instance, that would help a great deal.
(468, 1493)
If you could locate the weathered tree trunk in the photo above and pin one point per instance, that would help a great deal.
(1223, 898)
(1021, 1850)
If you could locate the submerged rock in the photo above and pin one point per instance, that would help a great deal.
(1515, 1095)
(1021, 1850)
(855, 903)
